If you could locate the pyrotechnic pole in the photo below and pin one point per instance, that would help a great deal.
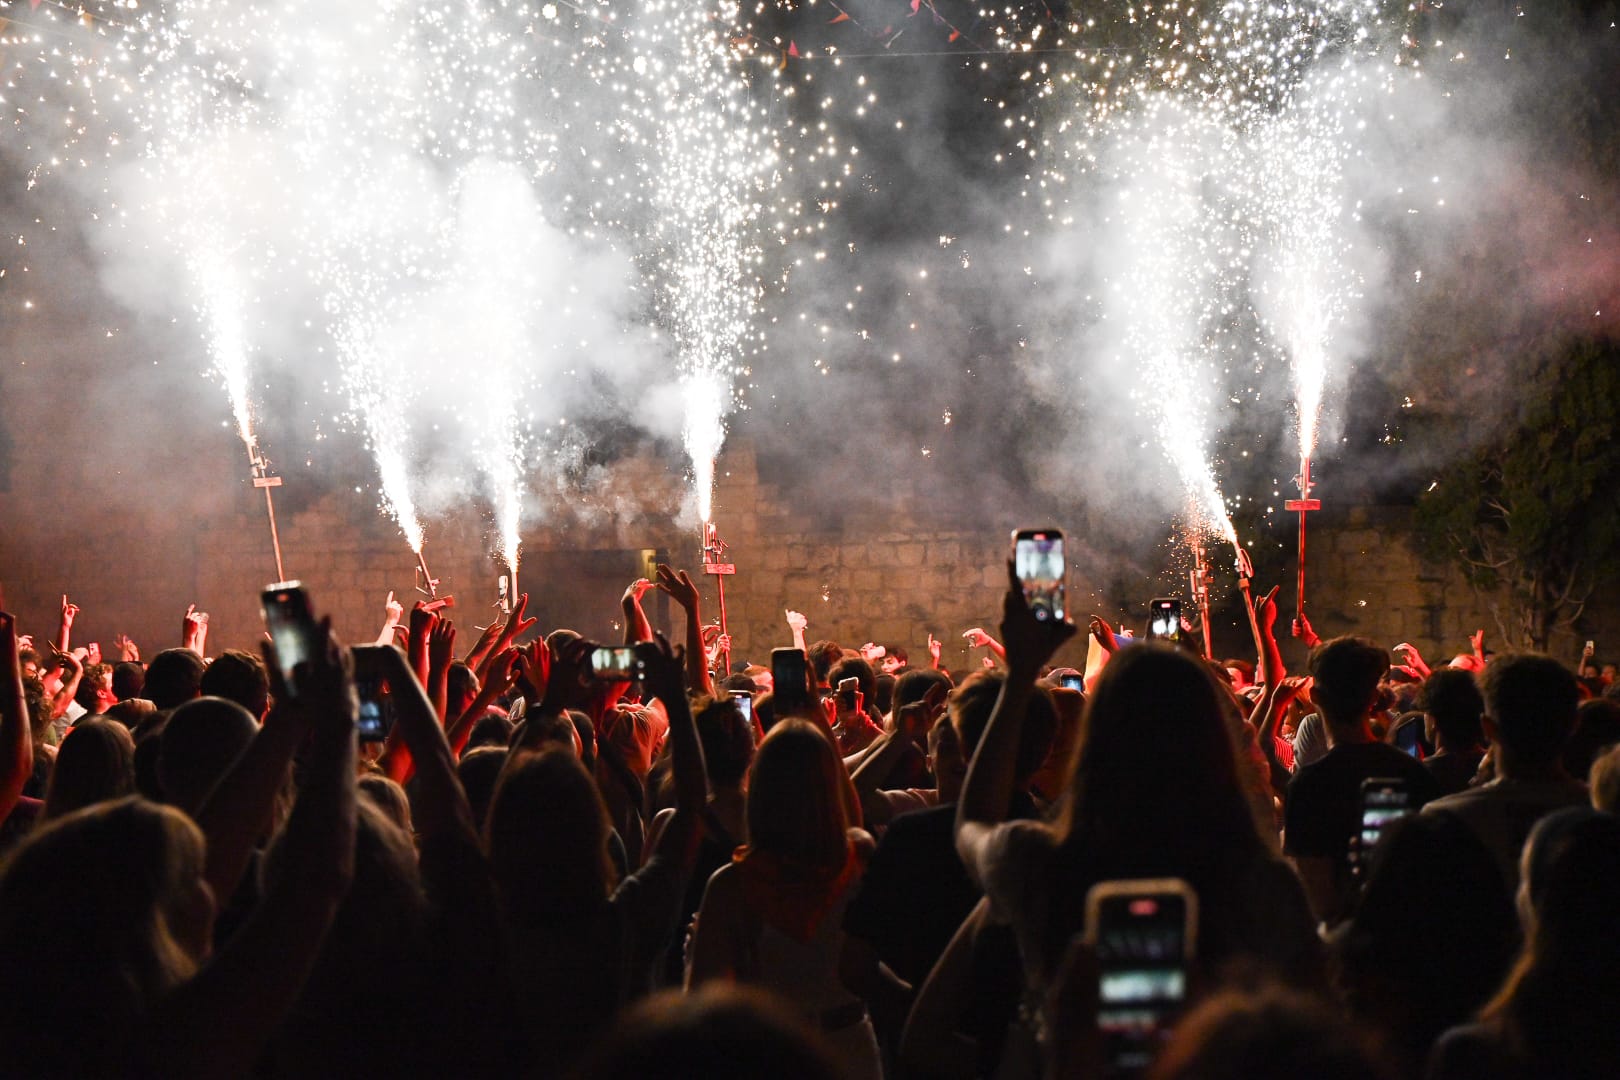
(1199, 578)
(1302, 505)
(264, 481)
(714, 550)
(428, 586)
(1245, 572)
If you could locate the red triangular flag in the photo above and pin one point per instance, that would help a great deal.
(915, 4)
(955, 33)
(843, 16)
(793, 48)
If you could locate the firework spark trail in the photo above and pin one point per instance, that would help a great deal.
(220, 307)
(712, 162)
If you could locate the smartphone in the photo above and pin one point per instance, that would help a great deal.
(376, 709)
(1144, 935)
(1164, 620)
(847, 689)
(745, 704)
(616, 662)
(790, 680)
(1073, 682)
(1383, 800)
(293, 629)
(1039, 564)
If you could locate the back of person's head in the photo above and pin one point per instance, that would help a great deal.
(1433, 935)
(971, 704)
(96, 763)
(239, 676)
(1604, 781)
(717, 1030)
(740, 682)
(912, 686)
(1272, 1034)
(461, 686)
(491, 729)
(199, 744)
(1559, 1001)
(1154, 789)
(547, 838)
(1531, 700)
(1346, 673)
(795, 808)
(1597, 728)
(386, 794)
(822, 656)
(173, 678)
(130, 712)
(728, 742)
(853, 667)
(104, 908)
(1452, 697)
(883, 693)
(128, 678)
(478, 770)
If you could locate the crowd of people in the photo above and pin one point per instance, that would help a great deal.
(409, 858)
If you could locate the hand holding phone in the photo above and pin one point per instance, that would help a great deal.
(296, 635)
(1042, 573)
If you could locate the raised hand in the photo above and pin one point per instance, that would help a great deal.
(679, 586)
(441, 644)
(534, 671)
(566, 677)
(193, 629)
(796, 621)
(127, 649)
(663, 668)
(916, 719)
(1104, 633)
(1029, 642)
(935, 648)
(1477, 642)
(873, 653)
(92, 653)
(1414, 659)
(636, 590)
(976, 637)
(393, 610)
(1265, 611)
(69, 611)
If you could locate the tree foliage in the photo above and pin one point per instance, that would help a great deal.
(1530, 516)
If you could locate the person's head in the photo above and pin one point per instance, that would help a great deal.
(1452, 708)
(461, 687)
(28, 660)
(1154, 791)
(491, 729)
(822, 656)
(795, 809)
(131, 712)
(547, 838)
(853, 667)
(128, 679)
(95, 693)
(478, 770)
(717, 1030)
(1241, 672)
(173, 678)
(240, 676)
(107, 908)
(970, 706)
(1604, 781)
(1433, 935)
(390, 798)
(1597, 727)
(895, 657)
(200, 742)
(1530, 705)
(96, 763)
(728, 742)
(1346, 672)
(912, 686)
(1273, 1034)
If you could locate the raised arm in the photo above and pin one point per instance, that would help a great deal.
(64, 633)
(16, 740)
(194, 630)
(988, 788)
(977, 637)
(797, 624)
(502, 674)
(681, 589)
(911, 723)
(441, 805)
(636, 626)
(441, 654)
(393, 612)
(72, 675)
(663, 668)
(217, 1023)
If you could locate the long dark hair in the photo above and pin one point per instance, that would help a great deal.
(1154, 790)
(547, 837)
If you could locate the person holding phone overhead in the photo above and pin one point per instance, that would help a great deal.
(1153, 793)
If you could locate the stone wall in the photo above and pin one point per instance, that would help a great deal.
(894, 579)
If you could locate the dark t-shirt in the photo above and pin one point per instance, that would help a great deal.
(1324, 798)
(916, 891)
(1452, 771)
